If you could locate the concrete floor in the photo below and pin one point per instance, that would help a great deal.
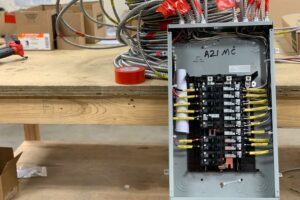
(12, 135)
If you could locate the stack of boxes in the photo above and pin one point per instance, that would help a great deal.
(293, 20)
(35, 26)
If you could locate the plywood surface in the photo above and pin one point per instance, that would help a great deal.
(68, 73)
(105, 110)
(114, 172)
(91, 73)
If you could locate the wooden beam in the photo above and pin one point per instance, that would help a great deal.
(288, 110)
(32, 132)
(108, 110)
(123, 110)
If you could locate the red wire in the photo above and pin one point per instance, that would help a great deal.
(174, 92)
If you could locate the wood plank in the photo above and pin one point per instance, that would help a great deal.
(32, 132)
(137, 110)
(69, 73)
(288, 110)
(123, 110)
(77, 172)
(100, 172)
(91, 73)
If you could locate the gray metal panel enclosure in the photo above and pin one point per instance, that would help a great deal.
(251, 55)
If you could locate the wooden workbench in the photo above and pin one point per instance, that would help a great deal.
(78, 87)
(114, 171)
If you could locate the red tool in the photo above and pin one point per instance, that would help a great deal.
(14, 48)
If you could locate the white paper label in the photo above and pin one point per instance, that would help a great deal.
(239, 68)
(35, 41)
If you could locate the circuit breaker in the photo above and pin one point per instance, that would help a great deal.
(222, 111)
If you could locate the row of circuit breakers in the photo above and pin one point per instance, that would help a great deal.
(222, 107)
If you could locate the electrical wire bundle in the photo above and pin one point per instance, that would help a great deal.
(59, 20)
(148, 39)
(149, 44)
(253, 10)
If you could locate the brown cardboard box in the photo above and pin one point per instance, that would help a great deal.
(61, 44)
(293, 38)
(91, 28)
(8, 173)
(75, 20)
(279, 8)
(34, 23)
(7, 23)
(94, 10)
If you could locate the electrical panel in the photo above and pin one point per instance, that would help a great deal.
(222, 108)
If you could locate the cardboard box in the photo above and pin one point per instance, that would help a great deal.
(94, 10)
(8, 173)
(75, 20)
(7, 23)
(61, 44)
(37, 24)
(279, 8)
(293, 38)
(91, 28)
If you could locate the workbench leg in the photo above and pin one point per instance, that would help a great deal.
(32, 132)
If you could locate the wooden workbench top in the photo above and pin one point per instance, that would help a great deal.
(91, 73)
(69, 73)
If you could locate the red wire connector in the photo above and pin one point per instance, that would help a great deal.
(225, 4)
(258, 4)
(182, 6)
(167, 8)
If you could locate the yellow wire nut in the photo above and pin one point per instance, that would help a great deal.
(185, 141)
(188, 97)
(161, 75)
(185, 146)
(260, 144)
(256, 140)
(255, 123)
(257, 116)
(182, 104)
(265, 101)
(259, 132)
(262, 108)
(189, 90)
(256, 95)
(282, 32)
(256, 90)
(186, 111)
(259, 153)
(183, 118)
